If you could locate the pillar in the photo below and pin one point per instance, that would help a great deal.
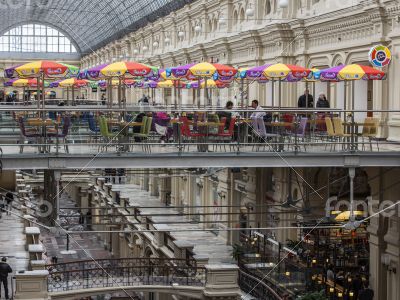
(222, 282)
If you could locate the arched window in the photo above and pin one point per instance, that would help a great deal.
(267, 7)
(242, 15)
(35, 38)
(235, 17)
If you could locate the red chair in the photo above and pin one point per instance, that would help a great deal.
(288, 118)
(227, 136)
(185, 129)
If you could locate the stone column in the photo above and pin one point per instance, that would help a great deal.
(394, 92)
(222, 282)
(32, 285)
(49, 195)
(153, 186)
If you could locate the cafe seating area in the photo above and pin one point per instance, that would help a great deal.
(195, 131)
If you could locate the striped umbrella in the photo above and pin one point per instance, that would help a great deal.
(352, 72)
(25, 82)
(46, 68)
(129, 68)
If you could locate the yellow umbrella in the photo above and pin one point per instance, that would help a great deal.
(345, 215)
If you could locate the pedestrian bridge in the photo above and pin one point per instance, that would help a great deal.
(181, 277)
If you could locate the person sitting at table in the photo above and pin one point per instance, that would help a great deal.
(226, 114)
(304, 99)
(160, 125)
(322, 101)
(259, 111)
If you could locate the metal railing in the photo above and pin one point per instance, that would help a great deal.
(289, 130)
(124, 272)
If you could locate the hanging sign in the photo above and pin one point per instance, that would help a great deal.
(380, 56)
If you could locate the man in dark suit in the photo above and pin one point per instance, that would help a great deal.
(5, 269)
(306, 100)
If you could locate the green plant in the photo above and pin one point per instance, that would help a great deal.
(237, 251)
(313, 296)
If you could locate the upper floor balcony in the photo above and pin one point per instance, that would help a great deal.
(93, 136)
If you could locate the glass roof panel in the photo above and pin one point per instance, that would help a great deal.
(90, 23)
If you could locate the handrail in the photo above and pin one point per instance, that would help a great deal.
(255, 287)
(123, 272)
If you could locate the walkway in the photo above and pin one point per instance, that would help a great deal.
(206, 244)
(12, 243)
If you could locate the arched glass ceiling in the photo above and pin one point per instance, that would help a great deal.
(90, 23)
(35, 38)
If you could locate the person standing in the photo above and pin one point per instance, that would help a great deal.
(9, 201)
(5, 269)
(322, 101)
(306, 100)
(367, 293)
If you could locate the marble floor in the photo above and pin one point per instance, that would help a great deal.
(12, 244)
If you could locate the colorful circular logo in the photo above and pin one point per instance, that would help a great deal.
(380, 56)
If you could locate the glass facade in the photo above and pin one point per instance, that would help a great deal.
(35, 38)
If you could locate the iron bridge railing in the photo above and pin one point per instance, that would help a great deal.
(124, 272)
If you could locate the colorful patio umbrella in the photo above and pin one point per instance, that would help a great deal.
(92, 73)
(352, 72)
(10, 72)
(282, 71)
(165, 84)
(119, 69)
(24, 82)
(180, 73)
(44, 67)
(73, 82)
(207, 70)
(115, 83)
(28, 82)
(210, 84)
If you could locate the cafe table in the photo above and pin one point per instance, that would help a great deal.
(42, 125)
(203, 127)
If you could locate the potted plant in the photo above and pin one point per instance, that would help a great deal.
(237, 251)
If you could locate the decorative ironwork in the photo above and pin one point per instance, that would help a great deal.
(124, 272)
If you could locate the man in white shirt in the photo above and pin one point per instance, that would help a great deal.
(259, 113)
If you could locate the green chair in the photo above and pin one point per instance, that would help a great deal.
(107, 136)
(144, 132)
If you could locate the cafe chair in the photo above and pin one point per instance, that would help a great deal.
(299, 133)
(107, 136)
(63, 133)
(370, 131)
(339, 131)
(261, 135)
(93, 128)
(187, 134)
(144, 133)
(331, 135)
(29, 135)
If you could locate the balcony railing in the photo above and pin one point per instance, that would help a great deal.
(164, 130)
(124, 272)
